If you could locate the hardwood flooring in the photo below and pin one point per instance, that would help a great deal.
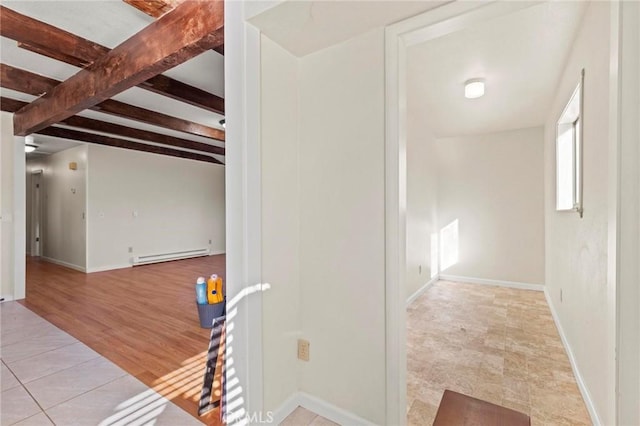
(144, 319)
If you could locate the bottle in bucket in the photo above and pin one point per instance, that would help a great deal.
(201, 291)
(214, 289)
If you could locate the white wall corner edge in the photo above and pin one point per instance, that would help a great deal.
(319, 407)
(574, 366)
(422, 289)
(499, 283)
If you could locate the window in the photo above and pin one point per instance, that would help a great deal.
(569, 154)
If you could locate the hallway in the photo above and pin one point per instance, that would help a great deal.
(493, 343)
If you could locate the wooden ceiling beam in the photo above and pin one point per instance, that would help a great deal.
(12, 105)
(154, 8)
(36, 85)
(155, 49)
(116, 129)
(47, 40)
(122, 143)
(157, 8)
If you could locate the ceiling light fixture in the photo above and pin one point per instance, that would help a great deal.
(29, 146)
(474, 88)
(223, 123)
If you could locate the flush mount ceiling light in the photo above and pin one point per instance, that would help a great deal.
(29, 146)
(474, 88)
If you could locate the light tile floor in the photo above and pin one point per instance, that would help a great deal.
(48, 377)
(496, 344)
(303, 417)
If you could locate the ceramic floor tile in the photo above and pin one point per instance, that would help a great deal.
(300, 416)
(496, 344)
(16, 405)
(39, 419)
(7, 379)
(28, 330)
(122, 401)
(35, 346)
(72, 382)
(51, 362)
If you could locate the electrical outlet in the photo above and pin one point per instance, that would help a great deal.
(209, 241)
(303, 350)
(130, 249)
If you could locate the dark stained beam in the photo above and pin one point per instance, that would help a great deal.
(155, 49)
(35, 84)
(154, 8)
(121, 143)
(116, 129)
(55, 43)
(183, 92)
(25, 81)
(12, 105)
(121, 109)
(157, 8)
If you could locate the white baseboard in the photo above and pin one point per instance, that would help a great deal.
(319, 407)
(421, 290)
(576, 372)
(287, 407)
(108, 268)
(215, 253)
(499, 283)
(63, 263)
(6, 298)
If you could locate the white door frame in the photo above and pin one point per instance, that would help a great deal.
(448, 19)
(399, 37)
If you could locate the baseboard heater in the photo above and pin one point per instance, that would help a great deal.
(165, 257)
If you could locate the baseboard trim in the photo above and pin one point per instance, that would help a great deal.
(319, 407)
(421, 290)
(499, 283)
(215, 253)
(286, 408)
(65, 264)
(574, 366)
(6, 298)
(108, 268)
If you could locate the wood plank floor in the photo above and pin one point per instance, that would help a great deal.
(143, 319)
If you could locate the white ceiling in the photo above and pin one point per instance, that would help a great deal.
(110, 23)
(303, 27)
(521, 56)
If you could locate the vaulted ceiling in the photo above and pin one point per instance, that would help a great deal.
(138, 74)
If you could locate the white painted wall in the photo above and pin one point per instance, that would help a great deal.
(64, 199)
(342, 245)
(280, 223)
(422, 187)
(493, 185)
(6, 205)
(576, 249)
(152, 203)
